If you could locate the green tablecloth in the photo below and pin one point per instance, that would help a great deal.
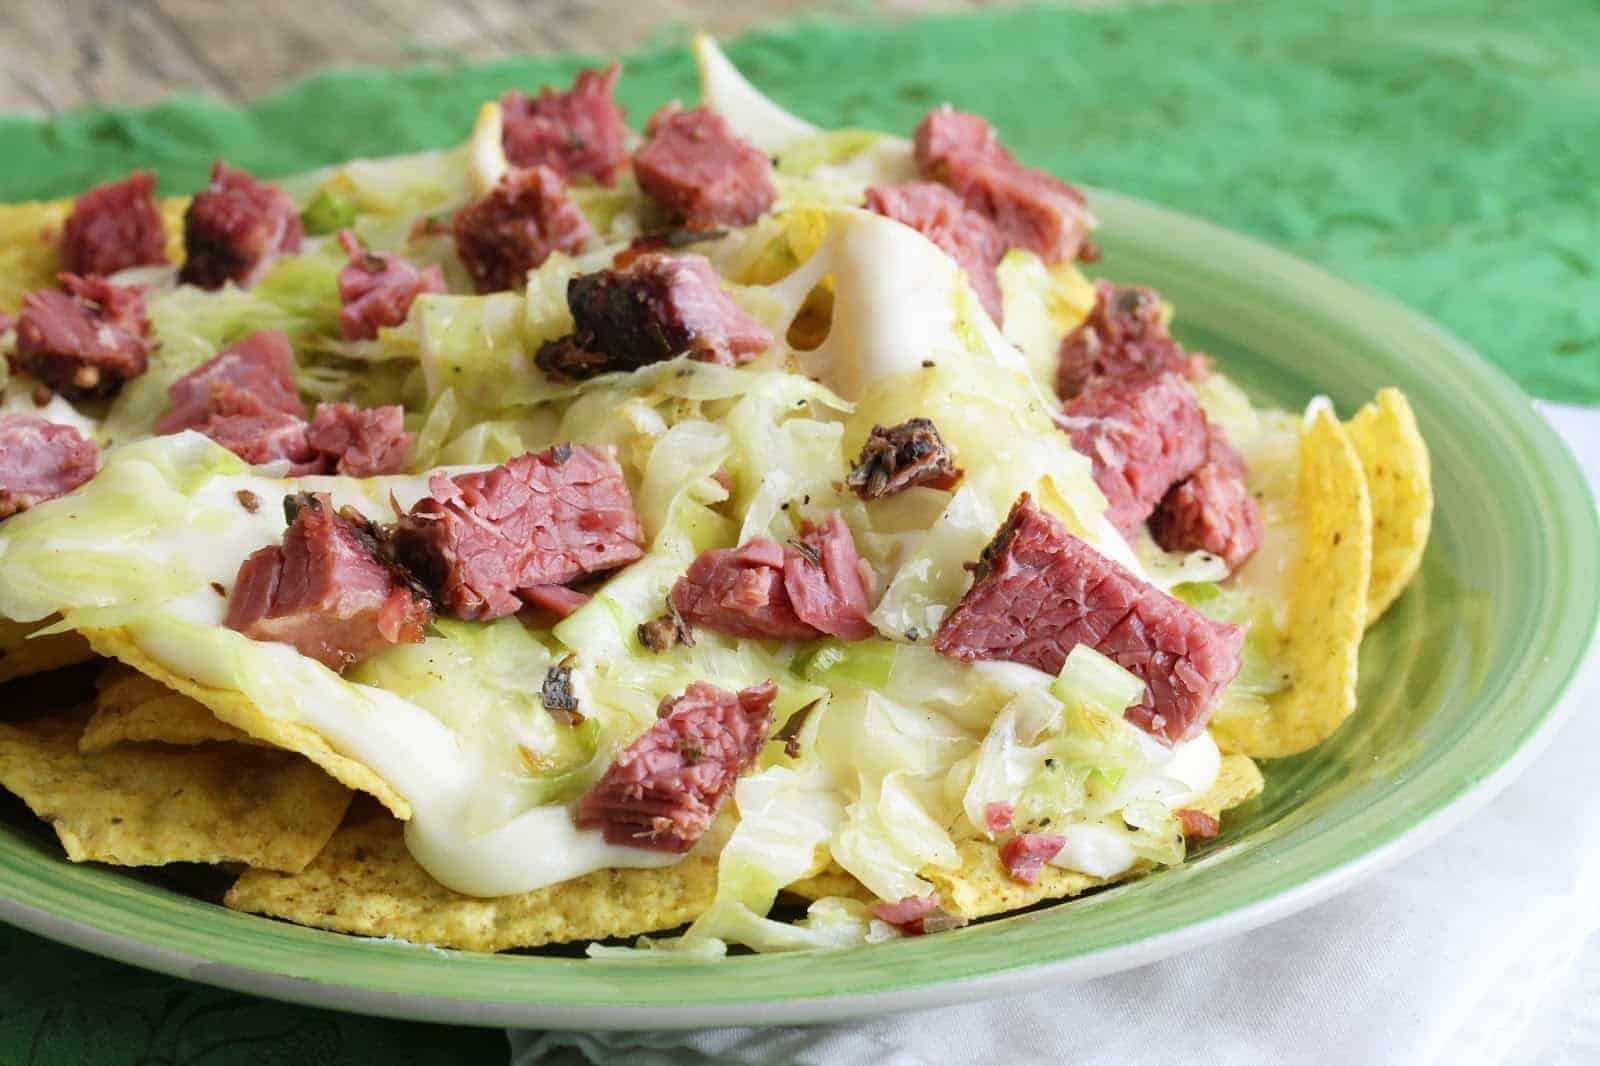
(1447, 151)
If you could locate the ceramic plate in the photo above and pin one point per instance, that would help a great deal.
(1460, 684)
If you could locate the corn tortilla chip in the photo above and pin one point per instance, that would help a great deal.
(22, 656)
(1399, 480)
(1327, 606)
(28, 235)
(150, 805)
(366, 882)
(132, 709)
(980, 887)
(234, 709)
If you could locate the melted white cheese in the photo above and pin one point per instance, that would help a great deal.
(752, 116)
(894, 305)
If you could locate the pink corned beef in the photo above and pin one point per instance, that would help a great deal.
(997, 816)
(740, 592)
(908, 914)
(324, 590)
(377, 289)
(659, 307)
(513, 230)
(805, 590)
(943, 217)
(666, 788)
(1033, 209)
(261, 365)
(1197, 824)
(241, 425)
(827, 582)
(557, 599)
(576, 132)
(39, 461)
(84, 339)
(235, 228)
(1038, 592)
(1025, 854)
(1143, 434)
(482, 541)
(701, 172)
(113, 227)
(244, 398)
(1125, 335)
(1211, 510)
(360, 441)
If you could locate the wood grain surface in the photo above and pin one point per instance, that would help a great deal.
(59, 54)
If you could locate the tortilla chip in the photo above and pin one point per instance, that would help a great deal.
(28, 235)
(234, 709)
(21, 656)
(1400, 482)
(366, 882)
(133, 709)
(147, 806)
(980, 887)
(1327, 607)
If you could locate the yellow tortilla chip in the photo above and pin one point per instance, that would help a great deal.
(133, 709)
(366, 882)
(22, 656)
(980, 887)
(147, 806)
(1400, 482)
(28, 236)
(1327, 606)
(234, 709)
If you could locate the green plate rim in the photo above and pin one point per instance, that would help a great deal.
(136, 923)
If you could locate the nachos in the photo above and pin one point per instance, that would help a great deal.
(726, 526)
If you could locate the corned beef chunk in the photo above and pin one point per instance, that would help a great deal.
(812, 587)
(666, 788)
(39, 461)
(324, 590)
(261, 365)
(1211, 510)
(1038, 592)
(84, 339)
(740, 592)
(894, 459)
(483, 541)
(660, 307)
(239, 423)
(235, 228)
(576, 132)
(1125, 334)
(1033, 209)
(244, 398)
(1025, 854)
(1144, 434)
(113, 227)
(1197, 824)
(360, 441)
(377, 289)
(701, 172)
(943, 217)
(515, 228)
(827, 581)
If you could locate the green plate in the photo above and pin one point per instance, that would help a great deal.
(1459, 687)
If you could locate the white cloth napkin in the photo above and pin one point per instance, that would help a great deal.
(1480, 950)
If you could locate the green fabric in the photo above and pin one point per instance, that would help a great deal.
(1438, 150)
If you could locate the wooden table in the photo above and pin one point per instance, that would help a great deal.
(59, 54)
